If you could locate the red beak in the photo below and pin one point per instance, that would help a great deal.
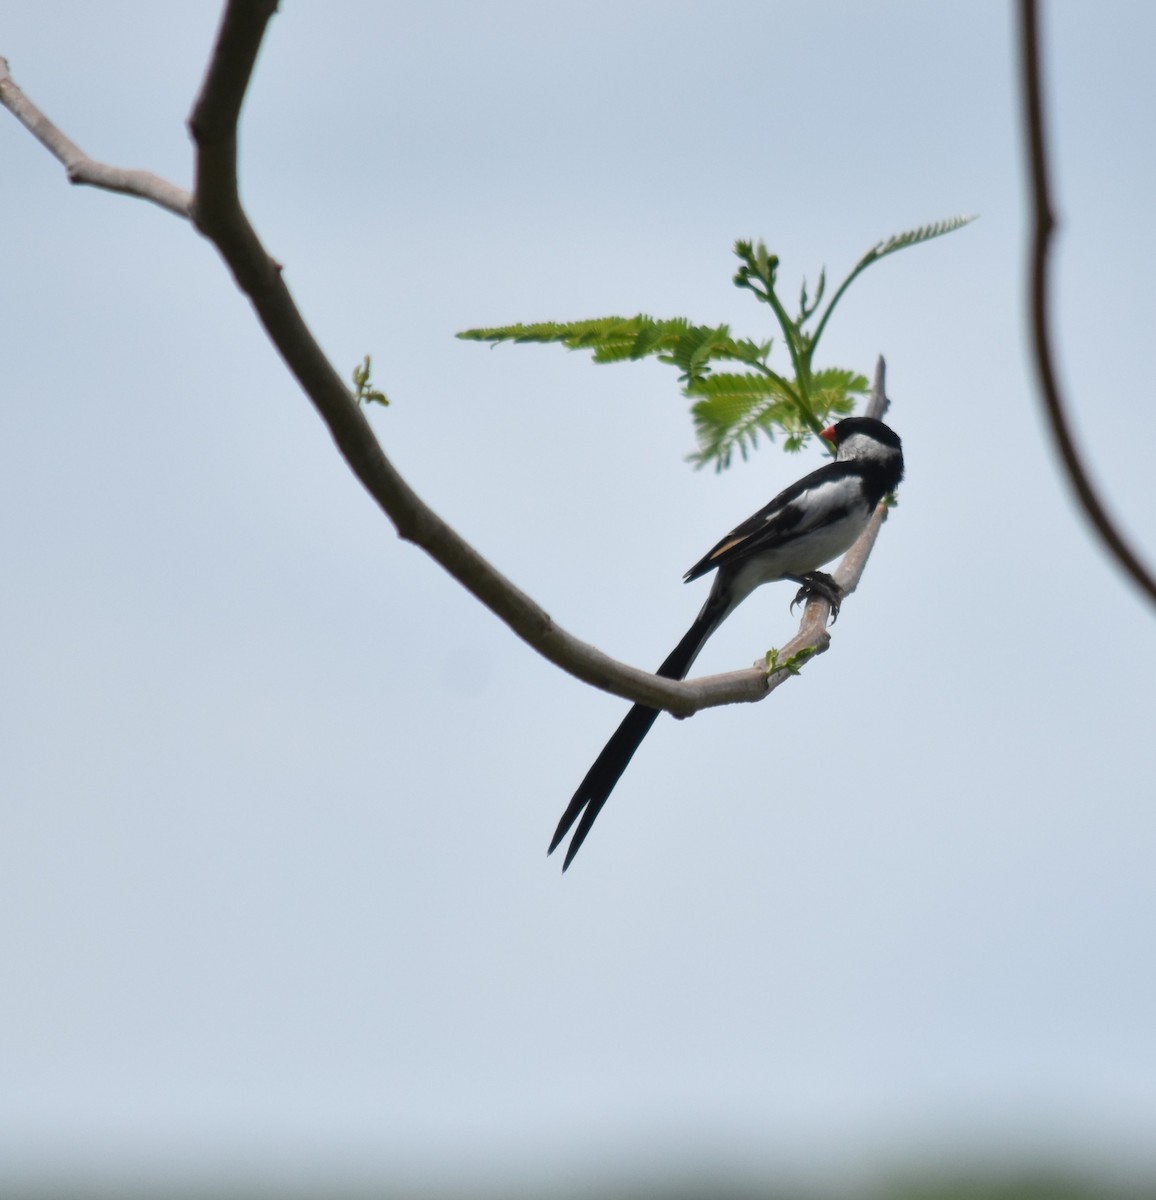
(829, 433)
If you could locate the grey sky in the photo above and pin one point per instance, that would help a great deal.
(276, 793)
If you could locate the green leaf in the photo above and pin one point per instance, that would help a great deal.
(616, 339)
(730, 408)
(734, 384)
(364, 391)
(731, 421)
(900, 241)
(833, 392)
(792, 664)
(692, 351)
(736, 408)
(639, 335)
(915, 237)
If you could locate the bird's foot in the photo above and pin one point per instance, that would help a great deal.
(819, 583)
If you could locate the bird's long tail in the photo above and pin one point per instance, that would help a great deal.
(595, 788)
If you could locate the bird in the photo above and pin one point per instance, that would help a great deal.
(805, 526)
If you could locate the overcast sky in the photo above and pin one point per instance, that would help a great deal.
(275, 792)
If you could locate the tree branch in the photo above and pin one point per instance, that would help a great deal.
(82, 169)
(216, 211)
(1044, 227)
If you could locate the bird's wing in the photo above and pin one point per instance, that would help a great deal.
(821, 498)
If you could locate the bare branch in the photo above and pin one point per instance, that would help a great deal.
(1041, 245)
(82, 169)
(878, 405)
(216, 211)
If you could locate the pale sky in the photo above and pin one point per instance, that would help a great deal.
(275, 793)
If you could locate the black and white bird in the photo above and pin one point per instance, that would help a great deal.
(803, 527)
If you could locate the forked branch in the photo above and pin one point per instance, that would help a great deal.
(215, 209)
(80, 168)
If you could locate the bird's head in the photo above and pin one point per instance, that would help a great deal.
(868, 440)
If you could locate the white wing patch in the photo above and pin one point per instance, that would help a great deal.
(825, 503)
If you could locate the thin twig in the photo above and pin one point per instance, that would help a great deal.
(80, 168)
(878, 405)
(216, 211)
(1040, 292)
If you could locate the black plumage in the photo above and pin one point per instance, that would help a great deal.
(804, 526)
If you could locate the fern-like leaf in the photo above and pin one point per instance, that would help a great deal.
(833, 393)
(731, 421)
(692, 352)
(900, 241)
(736, 408)
(914, 237)
(728, 383)
(732, 408)
(609, 336)
(691, 348)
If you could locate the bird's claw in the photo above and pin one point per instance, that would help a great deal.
(822, 585)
